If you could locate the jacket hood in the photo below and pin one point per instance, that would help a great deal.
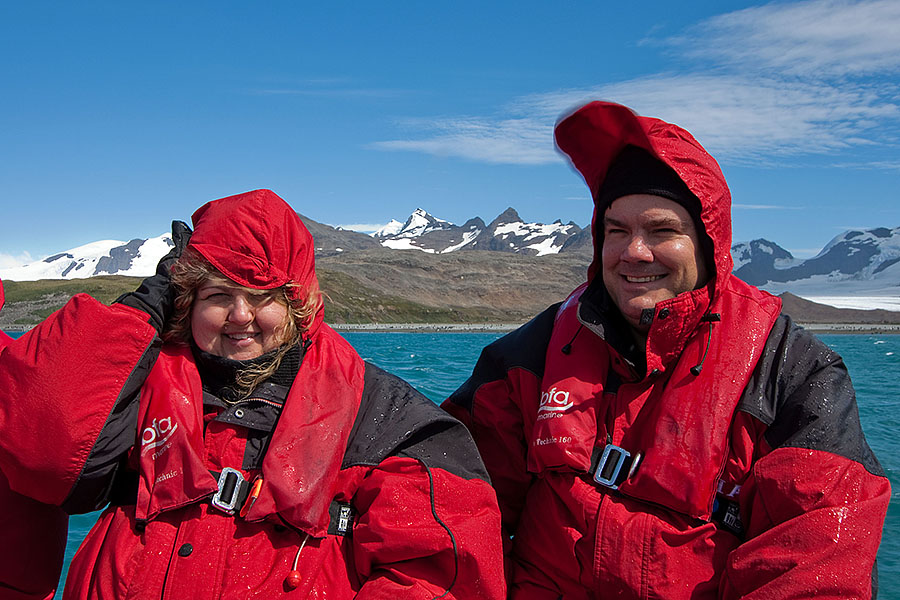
(256, 240)
(596, 133)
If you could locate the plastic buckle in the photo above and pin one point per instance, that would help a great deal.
(231, 483)
(610, 465)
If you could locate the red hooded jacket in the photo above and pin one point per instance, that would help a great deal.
(722, 460)
(366, 489)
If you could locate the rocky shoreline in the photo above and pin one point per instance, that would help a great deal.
(837, 328)
(427, 327)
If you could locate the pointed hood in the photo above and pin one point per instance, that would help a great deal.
(256, 240)
(594, 135)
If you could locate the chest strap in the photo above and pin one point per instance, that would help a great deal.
(611, 465)
(233, 490)
(236, 495)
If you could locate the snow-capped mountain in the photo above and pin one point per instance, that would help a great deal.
(391, 228)
(137, 258)
(856, 266)
(857, 262)
(506, 233)
(421, 231)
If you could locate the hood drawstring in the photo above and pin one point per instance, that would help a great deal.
(294, 579)
(568, 347)
(707, 318)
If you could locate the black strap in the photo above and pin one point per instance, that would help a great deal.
(233, 491)
(727, 515)
(611, 465)
(342, 516)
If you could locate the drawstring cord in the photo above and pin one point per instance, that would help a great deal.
(294, 579)
(568, 347)
(707, 318)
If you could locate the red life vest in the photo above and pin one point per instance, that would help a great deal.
(677, 421)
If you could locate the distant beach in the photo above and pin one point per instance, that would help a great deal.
(500, 327)
(851, 327)
(474, 327)
(426, 327)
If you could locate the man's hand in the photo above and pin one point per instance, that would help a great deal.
(155, 295)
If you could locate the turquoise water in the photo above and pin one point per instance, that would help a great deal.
(437, 363)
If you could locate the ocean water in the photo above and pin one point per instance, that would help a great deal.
(437, 363)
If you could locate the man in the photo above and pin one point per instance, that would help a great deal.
(665, 432)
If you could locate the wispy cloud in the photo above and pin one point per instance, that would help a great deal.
(815, 38)
(776, 80)
(803, 252)
(361, 227)
(741, 118)
(7, 261)
(511, 141)
(877, 165)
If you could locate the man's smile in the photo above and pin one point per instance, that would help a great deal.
(642, 279)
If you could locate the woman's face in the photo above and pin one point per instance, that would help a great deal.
(237, 323)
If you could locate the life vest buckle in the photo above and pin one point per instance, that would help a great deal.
(614, 467)
(233, 490)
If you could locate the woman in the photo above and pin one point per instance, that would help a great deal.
(250, 454)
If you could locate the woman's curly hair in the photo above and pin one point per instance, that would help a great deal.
(192, 271)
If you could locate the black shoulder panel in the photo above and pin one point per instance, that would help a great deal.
(801, 390)
(524, 348)
(396, 420)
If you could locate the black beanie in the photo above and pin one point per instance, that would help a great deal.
(636, 171)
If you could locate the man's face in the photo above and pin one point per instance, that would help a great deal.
(651, 252)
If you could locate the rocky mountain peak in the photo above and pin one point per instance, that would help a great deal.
(507, 216)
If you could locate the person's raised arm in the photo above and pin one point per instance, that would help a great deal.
(68, 389)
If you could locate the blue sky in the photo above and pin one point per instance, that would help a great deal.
(117, 117)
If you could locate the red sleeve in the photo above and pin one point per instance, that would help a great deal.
(426, 533)
(814, 503)
(491, 403)
(499, 430)
(33, 538)
(59, 384)
(814, 530)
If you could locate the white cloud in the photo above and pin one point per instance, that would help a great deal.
(803, 252)
(361, 227)
(778, 80)
(740, 118)
(526, 141)
(8, 261)
(816, 38)
(878, 165)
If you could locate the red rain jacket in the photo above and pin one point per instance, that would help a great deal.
(748, 477)
(32, 537)
(369, 490)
